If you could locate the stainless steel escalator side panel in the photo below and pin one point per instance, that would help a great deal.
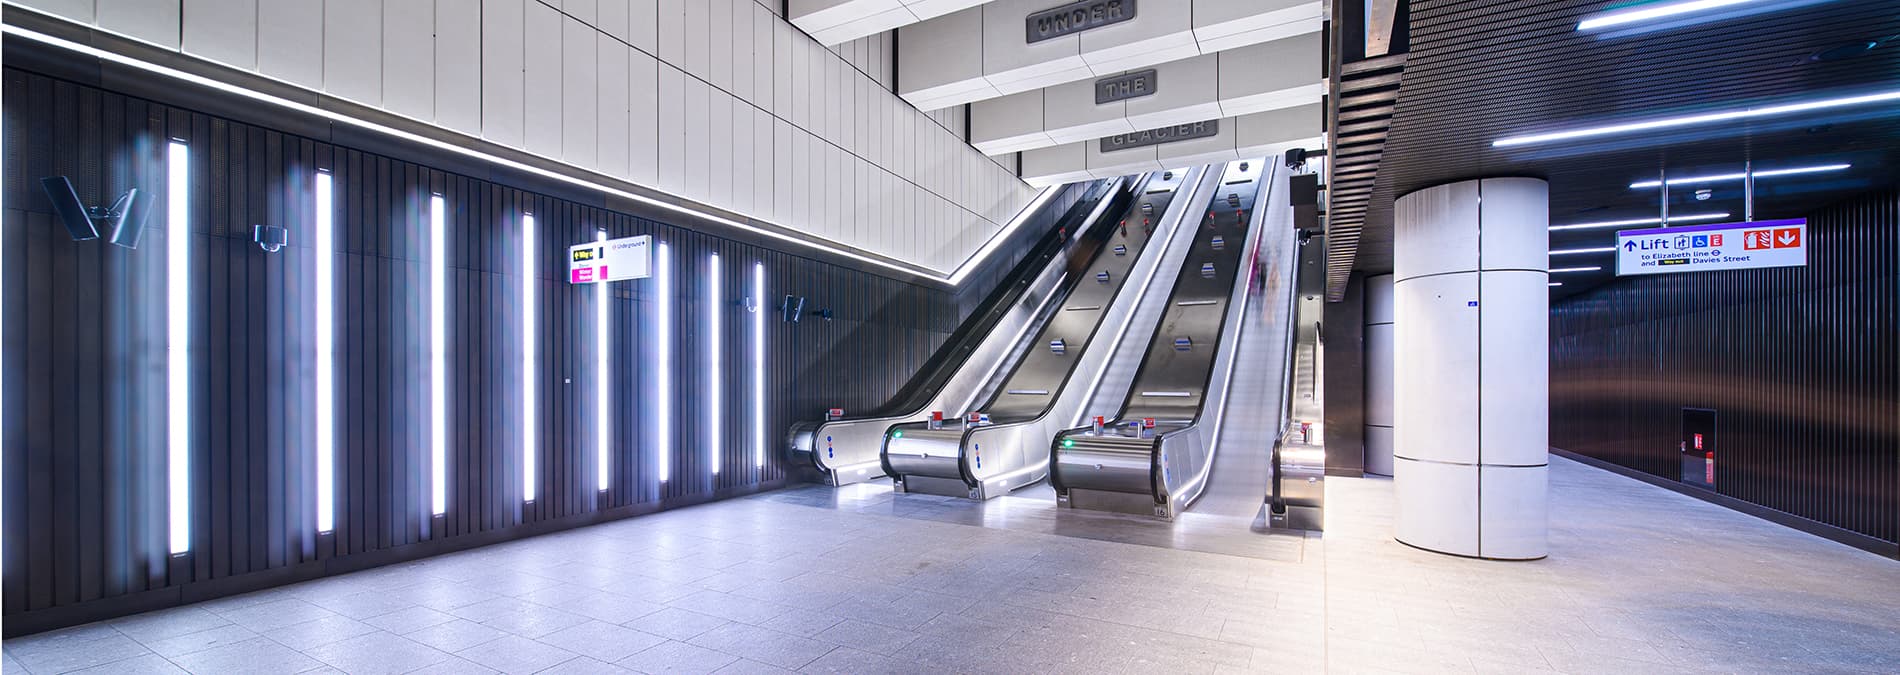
(990, 464)
(848, 451)
(1186, 455)
(1297, 495)
(1008, 455)
(1183, 380)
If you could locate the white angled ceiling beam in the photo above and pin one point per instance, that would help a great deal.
(984, 52)
(1263, 134)
(1240, 81)
(833, 22)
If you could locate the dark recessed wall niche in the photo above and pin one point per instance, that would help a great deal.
(1801, 365)
(84, 413)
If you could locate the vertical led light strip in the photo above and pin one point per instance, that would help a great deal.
(758, 364)
(326, 355)
(663, 359)
(528, 361)
(438, 357)
(178, 343)
(712, 360)
(603, 377)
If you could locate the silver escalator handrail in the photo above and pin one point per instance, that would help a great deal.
(862, 438)
(1204, 433)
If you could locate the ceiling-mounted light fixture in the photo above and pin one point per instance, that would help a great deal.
(1652, 12)
(1560, 270)
(1576, 251)
(1705, 118)
(1716, 178)
(1556, 283)
(1690, 218)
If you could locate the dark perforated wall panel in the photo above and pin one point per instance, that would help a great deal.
(1801, 364)
(84, 361)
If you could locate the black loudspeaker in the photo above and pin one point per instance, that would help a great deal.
(1304, 190)
(125, 219)
(792, 308)
(1295, 157)
(130, 214)
(71, 211)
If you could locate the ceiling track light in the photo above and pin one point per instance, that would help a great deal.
(1652, 12)
(1561, 270)
(1695, 120)
(1690, 218)
(1721, 177)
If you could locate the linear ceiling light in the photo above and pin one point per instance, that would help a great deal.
(1556, 283)
(1559, 270)
(1721, 177)
(1692, 120)
(954, 279)
(1575, 251)
(1693, 217)
(1653, 11)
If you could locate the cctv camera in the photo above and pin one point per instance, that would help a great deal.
(271, 238)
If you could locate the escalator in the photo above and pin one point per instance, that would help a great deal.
(997, 441)
(846, 450)
(1230, 303)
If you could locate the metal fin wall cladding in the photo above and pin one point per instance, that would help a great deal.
(1801, 364)
(84, 361)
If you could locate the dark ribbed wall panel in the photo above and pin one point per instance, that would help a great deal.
(1802, 365)
(84, 329)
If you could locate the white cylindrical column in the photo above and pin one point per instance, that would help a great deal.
(1471, 356)
(1378, 338)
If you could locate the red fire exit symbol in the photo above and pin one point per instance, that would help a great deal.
(1786, 237)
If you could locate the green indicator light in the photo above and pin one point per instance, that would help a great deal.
(1068, 442)
(897, 434)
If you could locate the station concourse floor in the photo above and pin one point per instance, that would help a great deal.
(859, 580)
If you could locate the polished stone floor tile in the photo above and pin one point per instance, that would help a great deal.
(602, 641)
(678, 657)
(860, 580)
(514, 655)
(377, 653)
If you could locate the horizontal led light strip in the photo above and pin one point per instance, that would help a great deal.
(953, 279)
(1693, 120)
(1560, 270)
(1575, 251)
(1690, 218)
(325, 243)
(1650, 12)
(178, 343)
(1721, 177)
